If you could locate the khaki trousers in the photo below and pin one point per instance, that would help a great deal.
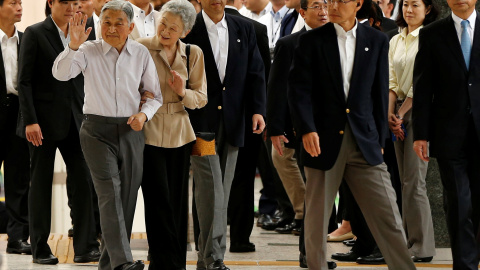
(417, 217)
(373, 191)
(287, 169)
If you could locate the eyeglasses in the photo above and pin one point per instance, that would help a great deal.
(318, 8)
(332, 2)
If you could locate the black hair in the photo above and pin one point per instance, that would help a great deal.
(364, 11)
(304, 4)
(1, 2)
(48, 10)
(376, 15)
(430, 17)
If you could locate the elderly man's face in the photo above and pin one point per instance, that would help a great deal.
(86, 7)
(115, 28)
(214, 7)
(316, 14)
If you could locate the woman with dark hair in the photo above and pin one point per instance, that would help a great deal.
(417, 219)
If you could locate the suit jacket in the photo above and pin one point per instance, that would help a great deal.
(262, 39)
(389, 25)
(279, 118)
(91, 23)
(244, 77)
(317, 98)
(446, 94)
(3, 89)
(288, 22)
(43, 99)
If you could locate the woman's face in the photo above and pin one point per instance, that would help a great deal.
(414, 12)
(170, 29)
(62, 11)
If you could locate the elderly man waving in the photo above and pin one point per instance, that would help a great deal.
(111, 135)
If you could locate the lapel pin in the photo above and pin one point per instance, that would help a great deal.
(366, 49)
(238, 40)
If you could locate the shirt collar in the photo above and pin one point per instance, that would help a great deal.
(281, 12)
(308, 27)
(15, 35)
(137, 11)
(96, 19)
(470, 19)
(231, 7)
(341, 32)
(107, 47)
(209, 23)
(414, 33)
(58, 28)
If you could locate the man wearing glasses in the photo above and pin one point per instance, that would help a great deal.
(338, 94)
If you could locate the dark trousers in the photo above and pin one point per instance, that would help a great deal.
(114, 153)
(165, 194)
(461, 181)
(241, 203)
(40, 197)
(16, 164)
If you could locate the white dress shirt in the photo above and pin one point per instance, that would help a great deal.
(218, 36)
(98, 27)
(112, 80)
(346, 45)
(254, 16)
(299, 24)
(10, 63)
(273, 21)
(65, 40)
(144, 23)
(471, 27)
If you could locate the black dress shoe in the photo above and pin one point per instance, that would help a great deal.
(263, 218)
(242, 247)
(217, 265)
(19, 247)
(138, 265)
(422, 259)
(350, 256)
(374, 258)
(349, 243)
(70, 232)
(50, 259)
(303, 262)
(92, 256)
(295, 224)
(270, 226)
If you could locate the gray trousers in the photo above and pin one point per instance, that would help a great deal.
(213, 176)
(417, 217)
(373, 191)
(114, 154)
(287, 168)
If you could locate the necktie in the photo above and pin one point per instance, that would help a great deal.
(465, 42)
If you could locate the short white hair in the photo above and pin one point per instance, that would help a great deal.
(182, 8)
(121, 5)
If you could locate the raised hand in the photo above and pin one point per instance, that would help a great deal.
(177, 83)
(76, 29)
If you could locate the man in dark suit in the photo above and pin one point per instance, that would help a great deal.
(13, 149)
(279, 118)
(235, 77)
(290, 20)
(242, 198)
(338, 94)
(446, 113)
(51, 117)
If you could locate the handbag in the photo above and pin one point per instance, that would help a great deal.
(205, 143)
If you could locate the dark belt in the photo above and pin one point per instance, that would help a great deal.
(105, 119)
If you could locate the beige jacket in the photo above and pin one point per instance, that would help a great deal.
(170, 127)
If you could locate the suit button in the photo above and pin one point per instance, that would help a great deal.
(219, 107)
(341, 132)
(347, 110)
(223, 88)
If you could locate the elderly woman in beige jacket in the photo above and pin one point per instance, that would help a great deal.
(169, 136)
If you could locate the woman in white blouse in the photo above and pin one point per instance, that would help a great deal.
(417, 219)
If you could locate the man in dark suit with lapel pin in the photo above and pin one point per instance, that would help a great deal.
(446, 113)
(13, 149)
(338, 94)
(235, 77)
(51, 116)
